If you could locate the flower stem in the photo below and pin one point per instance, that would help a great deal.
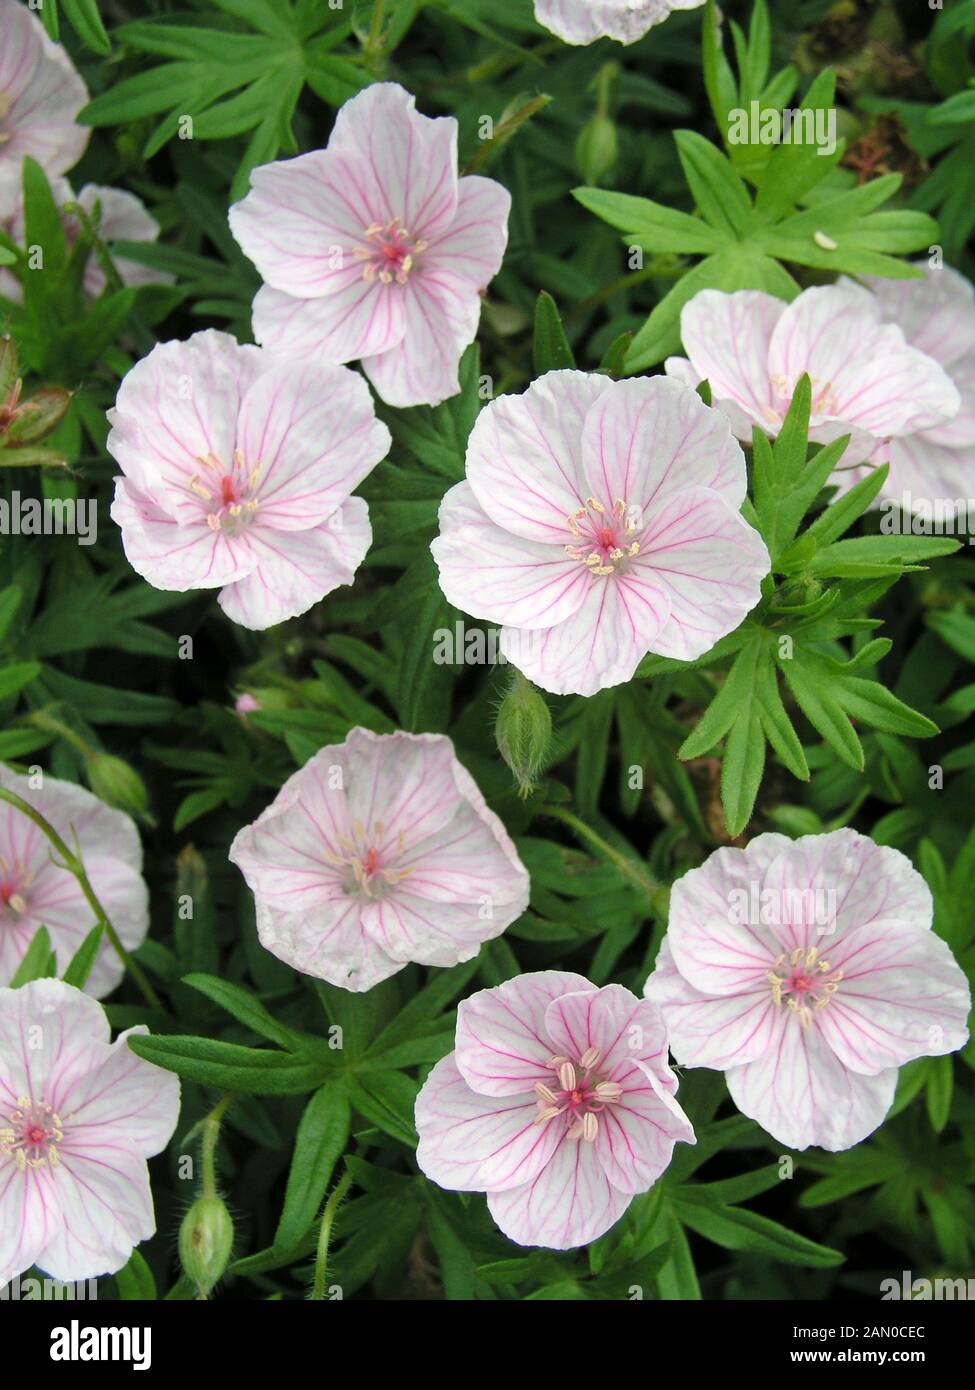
(72, 862)
(211, 1133)
(325, 1235)
(628, 868)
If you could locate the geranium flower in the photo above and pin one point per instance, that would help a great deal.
(79, 1117)
(866, 381)
(937, 317)
(123, 217)
(585, 21)
(599, 521)
(380, 851)
(373, 248)
(558, 1102)
(36, 891)
(807, 971)
(40, 96)
(238, 469)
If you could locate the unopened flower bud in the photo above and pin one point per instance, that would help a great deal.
(206, 1239)
(118, 784)
(523, 731)
(596, 148)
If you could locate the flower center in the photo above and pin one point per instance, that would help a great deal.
(14, 882)
(824, 400)
(578, 1093)
(369, 857)
(803, 982)
(31, 1135)
(230, 495)
(389, 253)
(604, 538)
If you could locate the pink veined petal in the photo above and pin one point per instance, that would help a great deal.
(294, 570)
(304, 217)
(411, 784)
(636, 1137)
(69, 1025)
(727, 338)
(123, 1105)
(706, 562)
(358, 319)
(524, 455)
(494, 574)
(106, 1211)
(902, 995)
(923, 471)
(648, 439)
(310, 432)
(865, 882)
(862, 370)
(75, 813)
(177, 556)
(623, 1029)
(327, 941)
(472, 246)
(476, 1143)
(800, 1092)
(601, 645)
(45, 94)
(936, 314)
(585, 21)
(441, 314)
(502, 1048)
(123, 217)
(717, 944)
(411, 928)
(411, 159)
(32, 1214)
(570, 1203)
(959, 431)
(705, 1030)
(176, 407)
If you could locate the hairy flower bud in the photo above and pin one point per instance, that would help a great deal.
(206, 1239)
(596, 148)
(523, 731)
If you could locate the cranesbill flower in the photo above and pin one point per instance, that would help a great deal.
(40, 96)
(36, 891)
(599, 521)
(937, 317)
(238, 472)
(807, 971)
(585, 21)
(557, 1101)
(79, 1117)
(380, 851)
(866, 380)
(121, 217)
(374, 249)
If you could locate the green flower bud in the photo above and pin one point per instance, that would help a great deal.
(8, 365)
(38, 415)
(596, 148)
(118, 785)
(206, 1239)
(523, 732)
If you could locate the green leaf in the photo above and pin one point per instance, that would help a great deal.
(135, 1281)
(14, 677)
(718, 191)
(387, 1099)
(550, 346)
(939, 1088)
(38, 961)
(814, 695)
(736, 1228)
(437, 435)
(229, 1067)
(741, 769)
(320, 1141)
(243, 1006)
(85, 20)
(80, 965)
(651, 225)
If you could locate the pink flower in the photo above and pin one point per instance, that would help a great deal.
(79, 1117)
(373, 248)
(40, 96)
(557, 1102)
(937, 317)
(599, 521)
(380, 851)
(246, 703)
(585, 21)
(35, 891)
(123, 217)
(806, 970)
(866, 381)
(238, 473)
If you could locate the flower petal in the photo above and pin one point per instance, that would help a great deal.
(570, 1203)
(502, 1046)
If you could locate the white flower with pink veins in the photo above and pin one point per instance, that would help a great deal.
(40, 96)
(79, 1117)
(585, 21)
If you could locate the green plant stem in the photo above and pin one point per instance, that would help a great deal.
(325, 1235)
(653, 892)
(211, 1133)
(72, 862)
